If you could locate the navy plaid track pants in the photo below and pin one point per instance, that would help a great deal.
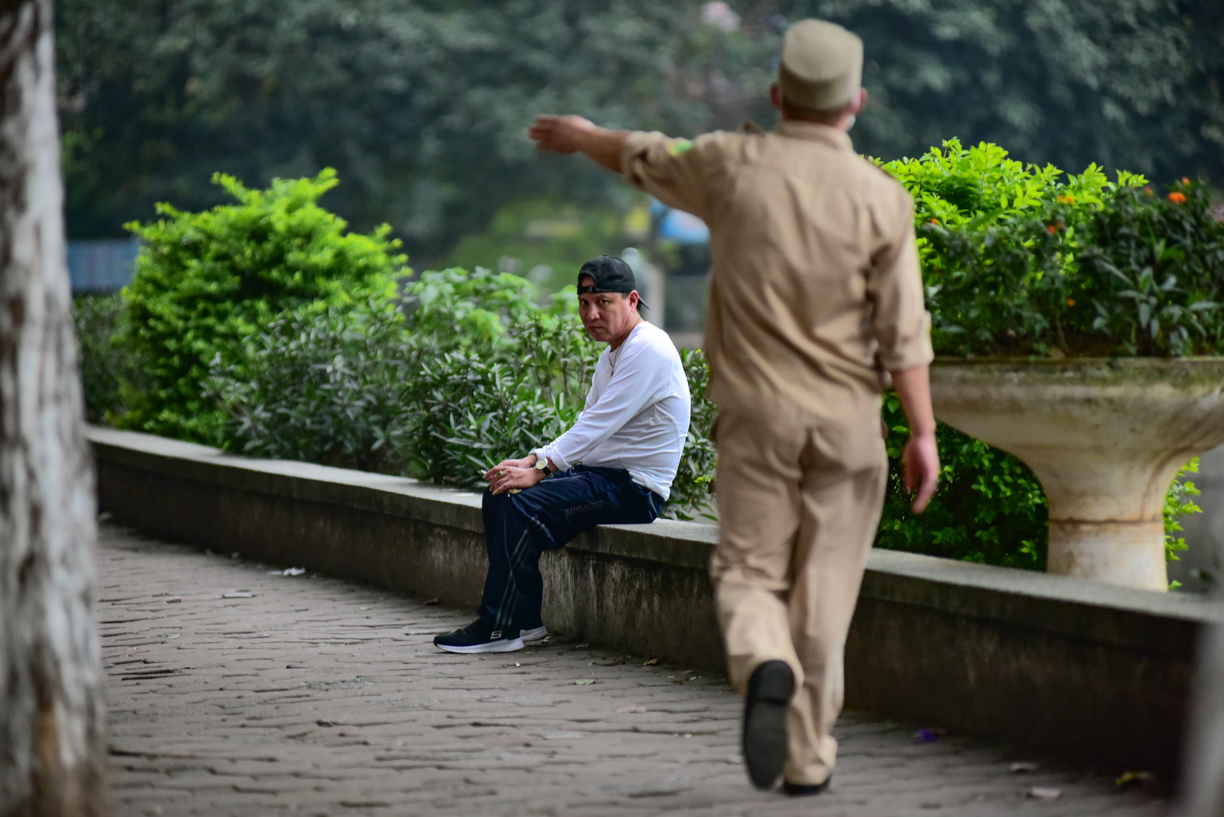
(519, 527)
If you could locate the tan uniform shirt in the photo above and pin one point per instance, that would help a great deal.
(815, 283)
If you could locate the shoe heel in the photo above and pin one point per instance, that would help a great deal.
(765, 739)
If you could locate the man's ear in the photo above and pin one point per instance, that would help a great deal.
(857, 107)
(634, 299)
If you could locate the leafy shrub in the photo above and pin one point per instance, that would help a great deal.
(206, 283)
(104, 363)
(1019, 260)
(475, 409)
(691, 490)
(327, 388)
(1153, 272)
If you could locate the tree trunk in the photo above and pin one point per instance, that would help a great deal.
(52, 722)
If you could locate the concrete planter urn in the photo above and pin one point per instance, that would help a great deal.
(1105, 437)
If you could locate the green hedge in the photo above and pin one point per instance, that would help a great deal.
(207, 283)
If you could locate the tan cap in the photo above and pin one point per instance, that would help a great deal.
(821, 66)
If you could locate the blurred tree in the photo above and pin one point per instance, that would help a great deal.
(1131, 84)
(422, 104)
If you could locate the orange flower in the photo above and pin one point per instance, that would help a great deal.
(934, 221)
(1051, 229)
(1177, 198)
(1066, 199)
(1070, 302)
(1185, 180)
(1148, 190)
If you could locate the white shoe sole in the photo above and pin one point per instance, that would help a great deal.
(502, 645)
(537, 634)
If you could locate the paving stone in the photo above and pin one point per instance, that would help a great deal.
(316, 696)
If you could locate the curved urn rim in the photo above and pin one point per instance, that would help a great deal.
(1178, 371)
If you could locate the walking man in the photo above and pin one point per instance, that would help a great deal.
(815, 295)
(628, 439)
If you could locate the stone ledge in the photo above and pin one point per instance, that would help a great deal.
(1065, 665)
(1066, 606)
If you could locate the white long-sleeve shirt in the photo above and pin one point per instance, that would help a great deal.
(636, 415)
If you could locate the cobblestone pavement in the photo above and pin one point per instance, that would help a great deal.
(235, 691)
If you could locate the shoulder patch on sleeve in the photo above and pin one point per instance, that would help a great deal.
(679, 148)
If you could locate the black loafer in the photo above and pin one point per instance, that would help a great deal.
(803, 790)
(765, 744)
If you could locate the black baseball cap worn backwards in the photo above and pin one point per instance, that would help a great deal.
(611, 274)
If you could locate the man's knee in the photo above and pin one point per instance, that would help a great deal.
(504, 505)
(496, 502)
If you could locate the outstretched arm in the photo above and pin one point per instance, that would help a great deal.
(573, 134)
(921, 454)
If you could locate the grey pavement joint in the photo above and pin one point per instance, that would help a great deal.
(234, 690)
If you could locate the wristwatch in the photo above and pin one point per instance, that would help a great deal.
(541, 464)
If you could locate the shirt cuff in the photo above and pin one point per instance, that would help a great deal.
(549, 452)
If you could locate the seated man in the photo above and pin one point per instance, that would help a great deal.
(628, 438)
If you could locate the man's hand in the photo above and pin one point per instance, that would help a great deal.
(921, 460)
(514, 478)
(525, 462)
(921, 456)
(560, 134)
(570, 134)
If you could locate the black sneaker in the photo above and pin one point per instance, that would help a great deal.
(479, 636)
(765, 744)
(805, 789)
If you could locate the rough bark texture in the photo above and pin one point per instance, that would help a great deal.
(52, 723)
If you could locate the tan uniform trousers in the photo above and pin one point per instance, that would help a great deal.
(799, 507)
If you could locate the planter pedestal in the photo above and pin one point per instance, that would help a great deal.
(1105, 437)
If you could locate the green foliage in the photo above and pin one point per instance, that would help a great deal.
(691, 490)
(455, 309)
(1019, 261)
(1179, 503)
(480, 404)
(325, 387)
(104, 363)
(989, 507)
(1153, 271)
(205, 283)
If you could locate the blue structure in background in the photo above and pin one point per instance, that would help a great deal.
(103, 265)
(678, 226)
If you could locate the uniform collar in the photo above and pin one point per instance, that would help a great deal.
(815, 132)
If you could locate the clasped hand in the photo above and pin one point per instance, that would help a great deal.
(513, 475)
